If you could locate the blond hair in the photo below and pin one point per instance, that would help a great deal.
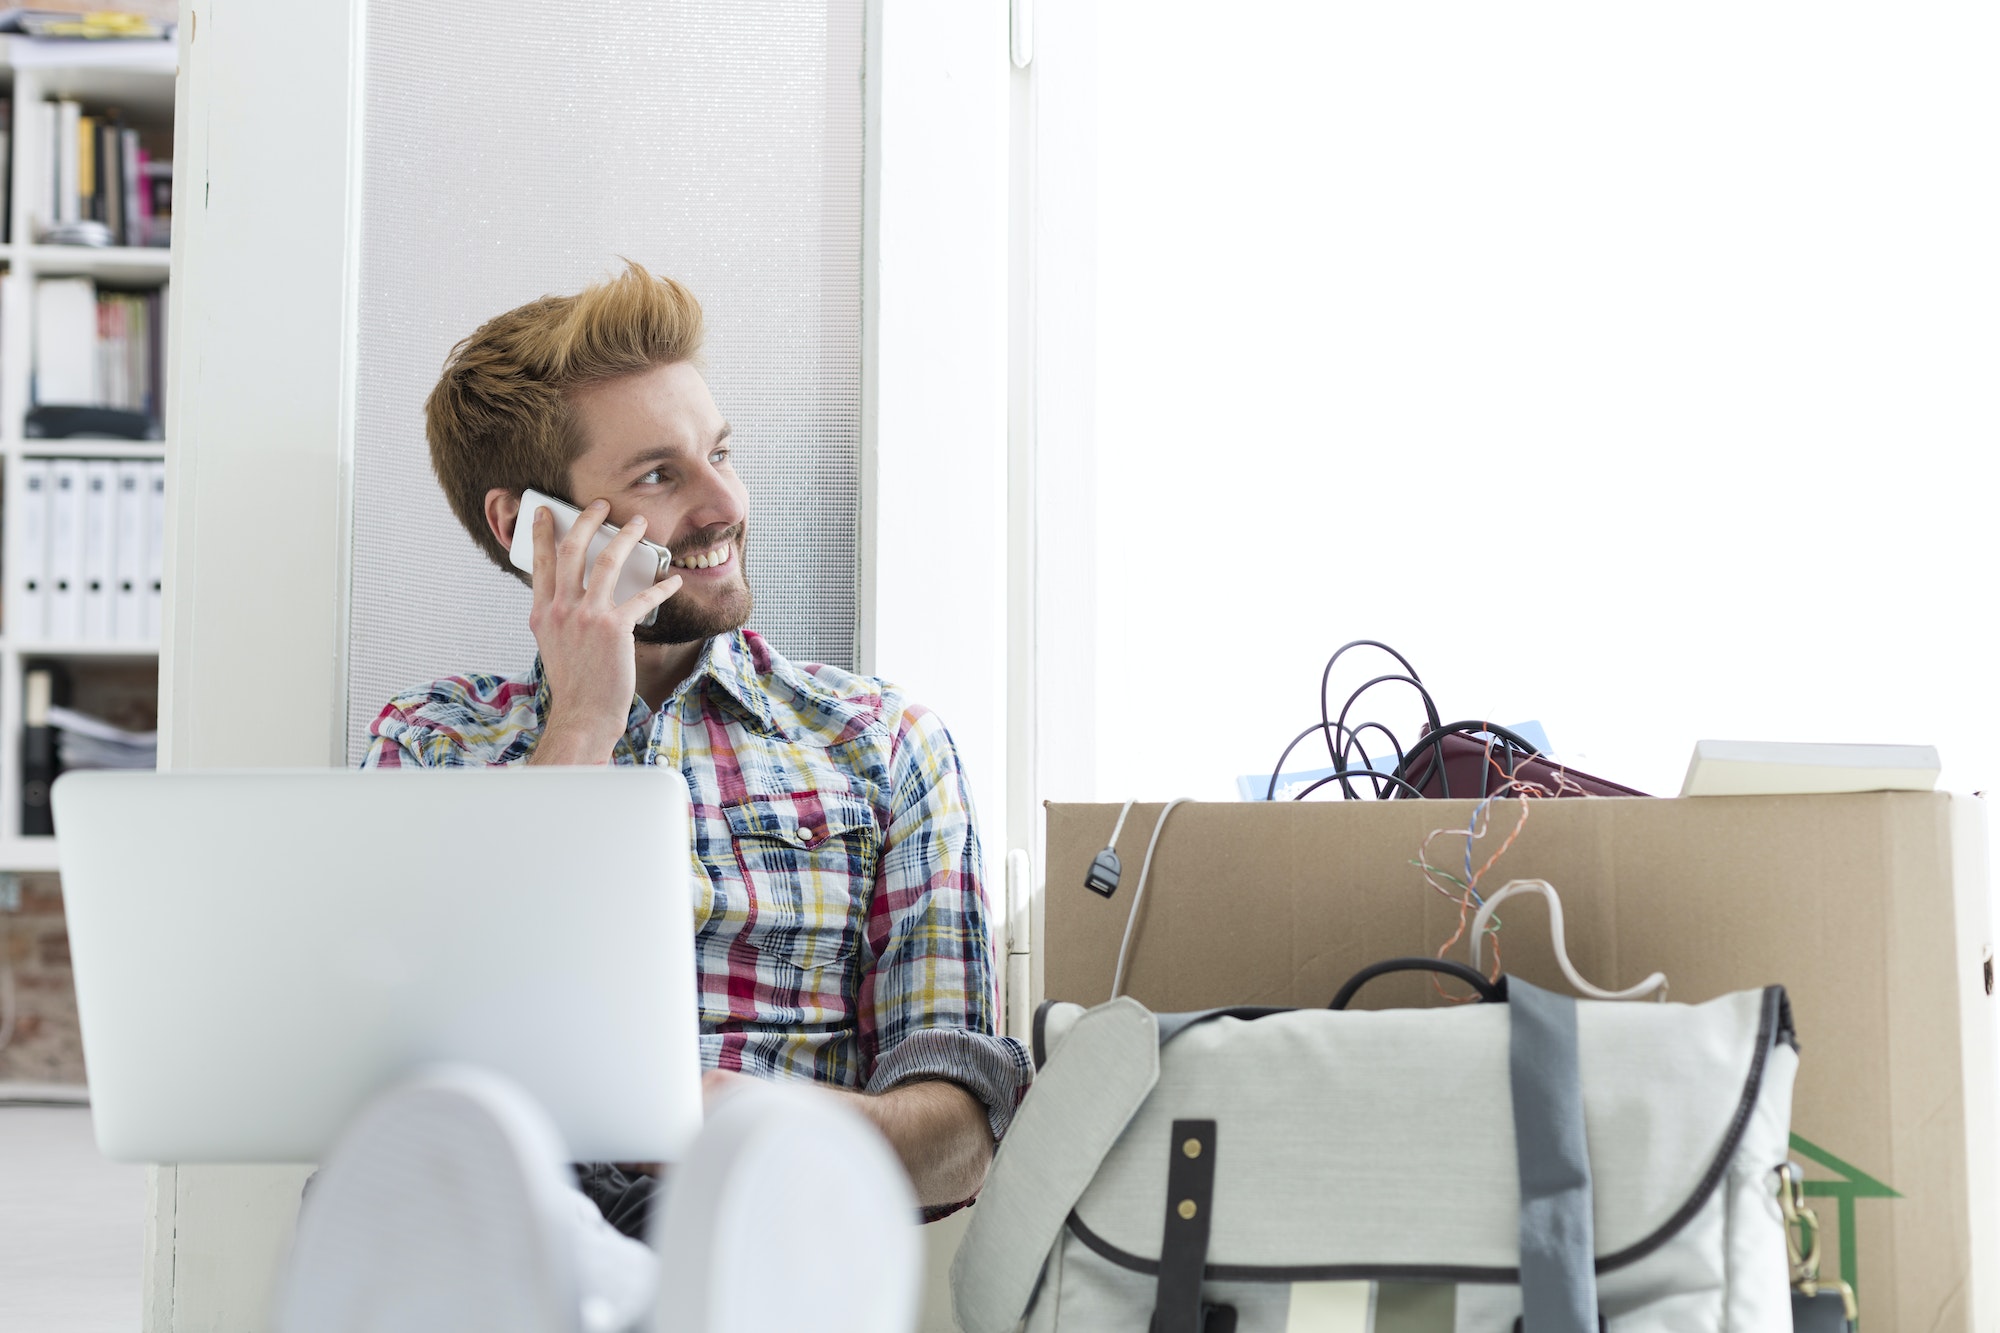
(500, 414)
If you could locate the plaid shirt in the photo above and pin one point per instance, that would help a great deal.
(840, 929)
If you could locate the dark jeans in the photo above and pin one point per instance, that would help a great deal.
(625, 1199)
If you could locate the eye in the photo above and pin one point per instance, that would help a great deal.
(651, 478)
(720, 455)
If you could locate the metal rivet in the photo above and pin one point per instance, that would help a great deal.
(1192, 1147)
(1187, 1210)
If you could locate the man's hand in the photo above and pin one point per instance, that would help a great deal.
(937, 1128)
(586, 640)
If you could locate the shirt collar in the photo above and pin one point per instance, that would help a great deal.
(727, 660)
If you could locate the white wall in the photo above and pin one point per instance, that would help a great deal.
(1628, 368)
(260, 416)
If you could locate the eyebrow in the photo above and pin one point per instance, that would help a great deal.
(668, 455)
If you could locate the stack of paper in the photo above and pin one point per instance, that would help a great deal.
(83, 741)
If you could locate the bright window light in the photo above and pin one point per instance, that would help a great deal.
(1631, 369)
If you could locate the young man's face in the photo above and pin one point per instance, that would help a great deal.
(654, 444)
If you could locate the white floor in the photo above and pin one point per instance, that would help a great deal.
(71, 1225)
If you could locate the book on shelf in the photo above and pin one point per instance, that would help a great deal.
(38, 752)
(96, 169)
(6, 169)
(84, 556)
(98, 349)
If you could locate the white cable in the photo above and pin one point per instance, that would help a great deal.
(1119, 827)
(1139, 889)
(1656, 982)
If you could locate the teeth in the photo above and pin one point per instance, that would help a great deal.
(707, 559)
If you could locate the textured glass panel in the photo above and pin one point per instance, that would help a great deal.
(514, 150)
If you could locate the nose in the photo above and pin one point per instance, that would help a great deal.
(717, 498)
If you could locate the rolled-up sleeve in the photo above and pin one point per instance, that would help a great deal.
(927, 995)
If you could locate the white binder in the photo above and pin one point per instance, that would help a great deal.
(128, 591)
(28, 554)
(156, 537)
(65, 568)
(100, 559)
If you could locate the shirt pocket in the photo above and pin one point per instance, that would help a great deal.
(808, 861)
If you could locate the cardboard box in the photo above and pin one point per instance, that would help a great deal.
(1872, 910)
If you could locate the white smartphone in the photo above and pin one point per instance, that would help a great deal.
(647, 564)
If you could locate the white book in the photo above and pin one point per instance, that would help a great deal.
(100, 550)
(41, 123)
(65, 570)
(128, 146)
(156, 544)
(69, 125)
(1789, 768)
(28, 554)
(128, 590)
(14, 325)
(66, 342)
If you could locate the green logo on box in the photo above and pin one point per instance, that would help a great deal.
(1854, 1183)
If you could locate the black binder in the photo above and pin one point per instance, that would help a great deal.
(39, 763)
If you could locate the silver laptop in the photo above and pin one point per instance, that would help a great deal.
(258, 952)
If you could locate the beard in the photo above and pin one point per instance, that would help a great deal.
(689, 616)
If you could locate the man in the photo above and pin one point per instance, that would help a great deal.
(841, 934)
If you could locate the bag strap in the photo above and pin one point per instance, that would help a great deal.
(1079, 1104)
(1177, 1306)
(1558, 1231)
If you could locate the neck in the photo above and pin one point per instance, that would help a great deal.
(661, 666)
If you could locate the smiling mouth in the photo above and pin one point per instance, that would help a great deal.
(713, 558)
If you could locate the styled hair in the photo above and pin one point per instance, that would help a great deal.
(500, 414)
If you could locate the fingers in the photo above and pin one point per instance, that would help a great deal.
(543, 579)
(604, 569)
(642, 604)
(575, 544)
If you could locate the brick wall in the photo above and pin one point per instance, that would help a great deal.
(47, 1047)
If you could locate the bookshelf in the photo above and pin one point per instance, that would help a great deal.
(136, 79)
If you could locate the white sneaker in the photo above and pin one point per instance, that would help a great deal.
(789, 1212)
(445, 1205)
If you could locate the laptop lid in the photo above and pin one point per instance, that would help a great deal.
(256, 953)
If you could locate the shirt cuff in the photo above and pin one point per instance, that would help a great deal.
(993, 1069)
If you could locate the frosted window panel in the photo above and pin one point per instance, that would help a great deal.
(523, 152)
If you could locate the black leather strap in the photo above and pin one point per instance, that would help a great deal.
(1824, 1313)
(1493, 992)
(1184, 1246)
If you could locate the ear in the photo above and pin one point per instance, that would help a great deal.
(502, 508)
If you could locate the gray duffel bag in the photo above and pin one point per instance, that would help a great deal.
(1546, 1164)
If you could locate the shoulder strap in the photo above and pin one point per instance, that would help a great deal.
(1079, 1104)
(1558, 1230)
